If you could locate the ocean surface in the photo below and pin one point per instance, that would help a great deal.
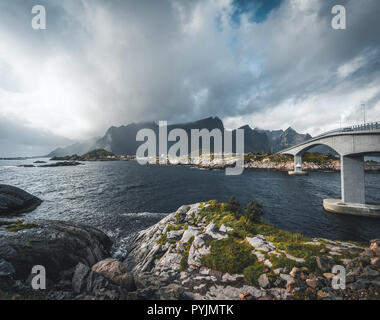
(123, 197)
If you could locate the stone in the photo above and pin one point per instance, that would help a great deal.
(57, 245)
(279, 282)
(322, 294)
(357, 285)
(328, 275)
(174, 234)
(223, 228)
(364, 261)
(346, 261)
(313, 283)
(169, 261)
(79, 278)
(189, 232)
(263, 281)
(172, 291)
(115, 272)
(278, 270)
(196, 254)
(375, 246)
(295, 272)
(286, 277)
(325, 264)
(290, 286)
(213, 232)
(368, 253)
(246, 296)
(375, 262)
(15, 201)
(369, 273)
(232, 277)
(260, 243)
(6, 269)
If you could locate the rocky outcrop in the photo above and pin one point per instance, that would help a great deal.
(167, 260)
(61, 164)
(115, 272)
(57, 245)
(15, 201)
(201, 251)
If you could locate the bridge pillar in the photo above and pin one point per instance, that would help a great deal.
(298, 163)
(297, 166)
(352, 179)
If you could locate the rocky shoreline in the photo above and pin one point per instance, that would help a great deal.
(267, 164)
(201, 251)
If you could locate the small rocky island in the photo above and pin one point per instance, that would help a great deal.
(94, 155)
(206, 250)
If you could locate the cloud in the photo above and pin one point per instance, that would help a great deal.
(103, 63)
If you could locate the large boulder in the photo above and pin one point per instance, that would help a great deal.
(15, 201)
(115, 272)
(56, 245)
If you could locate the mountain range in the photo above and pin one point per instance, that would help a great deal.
(122, 140)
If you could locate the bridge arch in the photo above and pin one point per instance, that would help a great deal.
(307, 147)
(351, 144)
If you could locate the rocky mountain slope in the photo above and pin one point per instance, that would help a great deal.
(122, 140)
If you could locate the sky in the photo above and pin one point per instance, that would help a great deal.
(267, 63)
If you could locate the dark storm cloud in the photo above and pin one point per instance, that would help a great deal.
(103, 63)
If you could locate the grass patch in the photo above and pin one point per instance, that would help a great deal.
(283, 262)
(229, 255)
(300, 250)
(253, 272)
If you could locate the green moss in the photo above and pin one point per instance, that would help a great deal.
(164, 239)
(229, 255)
(282, 261)
(185, 256)
(274, 234)
(299, 249)
(14, 226)
(253, 272)
(158, 255)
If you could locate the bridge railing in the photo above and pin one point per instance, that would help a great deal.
(366, 126)
(359, 127)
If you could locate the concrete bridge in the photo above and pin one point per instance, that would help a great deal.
(352, 144)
